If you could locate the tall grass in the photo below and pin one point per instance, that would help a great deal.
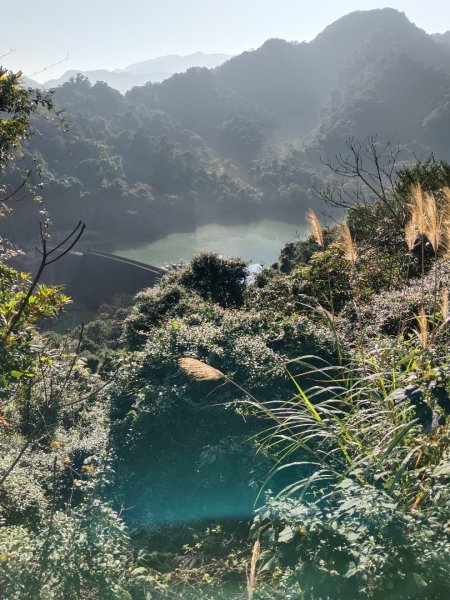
(430, 221)
(350, 423)
(349, 427)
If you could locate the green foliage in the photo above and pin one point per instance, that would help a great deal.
(208, 279)
(323, 268)
(58, 537)
(18, 352)
(365, 512)
(155, 306)
(365, 507)
(81, 553)
(298, 253)
(217, 279)
(359, 545)
(240, 138)
(211, 564)
(381, 225)
(153, 404)
(431, 174)
(17, 104)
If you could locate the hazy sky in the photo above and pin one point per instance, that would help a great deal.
(114, 33)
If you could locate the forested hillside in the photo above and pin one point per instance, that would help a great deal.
(242, 141)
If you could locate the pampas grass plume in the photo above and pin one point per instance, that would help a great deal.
(198, 370)
(417, 208)
(348, 244)
(433, 222)
(422, 333)
(411, 234)
(315, 229)
(446, 221)
(251, 576)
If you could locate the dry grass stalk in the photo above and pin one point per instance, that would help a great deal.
(446, 221)
(429, 220)
(445, 250)
(315, 229)
(446, 205)
(348, 244)
(417, 208)
(433, 222)
(198, 370)
(422, 333)
(411, 234)
(251, 575)
(444, 305)
(325, 313)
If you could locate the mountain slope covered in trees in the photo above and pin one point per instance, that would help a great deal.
(246, 139)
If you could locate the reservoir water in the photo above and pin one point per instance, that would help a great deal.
(259, 242)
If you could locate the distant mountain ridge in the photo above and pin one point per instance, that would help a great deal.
(136, 74)
(174, 63)
(118, 80)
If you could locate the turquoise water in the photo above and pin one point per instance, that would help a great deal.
(259, 242)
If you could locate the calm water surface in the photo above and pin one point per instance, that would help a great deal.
(259, 242)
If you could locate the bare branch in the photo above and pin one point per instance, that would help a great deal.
(365, 172)
(45, 253)
(19, 187)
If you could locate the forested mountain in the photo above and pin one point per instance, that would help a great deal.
(442, 38)
(245, 139)
(174, 63)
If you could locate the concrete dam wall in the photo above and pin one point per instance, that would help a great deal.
(92, 277)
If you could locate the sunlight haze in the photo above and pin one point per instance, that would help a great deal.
(108, 34)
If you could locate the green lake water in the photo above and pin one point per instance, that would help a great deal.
(260, 242)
